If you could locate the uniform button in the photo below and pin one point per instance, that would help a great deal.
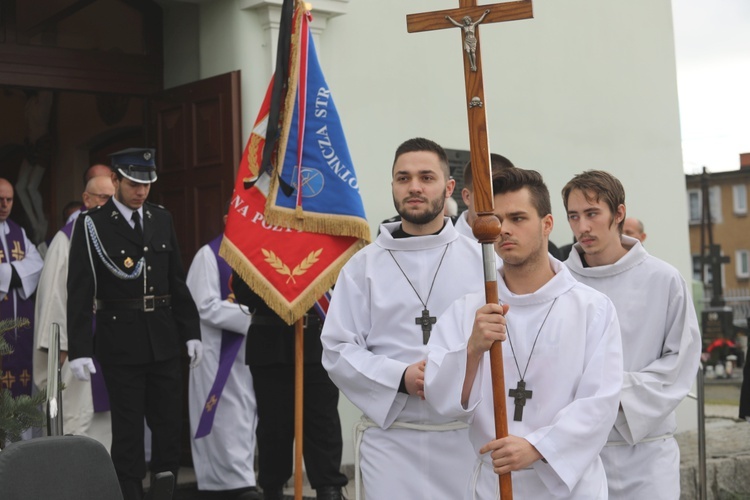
(122, 252)
(114, 317)
(150, 289)
(149, 268)
(145, 249)
(163, 245)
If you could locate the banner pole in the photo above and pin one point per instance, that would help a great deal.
(299, 388)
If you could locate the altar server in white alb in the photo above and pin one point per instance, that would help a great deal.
(661, 340)
(376, 337)
(465, 221)
(85, 402)
(222, 400)
(562, 359)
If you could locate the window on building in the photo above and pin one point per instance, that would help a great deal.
(739, 195)
(695, 204)
(742, 260)
(697, 275)
(714, 198)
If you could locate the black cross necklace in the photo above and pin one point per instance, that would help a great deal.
(425, 320)
(520, 394)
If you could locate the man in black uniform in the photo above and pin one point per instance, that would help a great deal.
(270, 355)
(125, 264)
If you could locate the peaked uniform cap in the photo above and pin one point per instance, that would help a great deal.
(136, 164)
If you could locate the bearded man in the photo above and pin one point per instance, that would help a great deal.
(376, 335)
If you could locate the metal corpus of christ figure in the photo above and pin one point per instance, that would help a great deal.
(487, 226)
(470, 39)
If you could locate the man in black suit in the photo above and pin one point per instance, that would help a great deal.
(125, 263)
(270, 354)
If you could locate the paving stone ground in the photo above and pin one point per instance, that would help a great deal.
(727, 440)
(727, 451)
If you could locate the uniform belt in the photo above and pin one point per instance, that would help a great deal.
(308, 320)
(147, 303)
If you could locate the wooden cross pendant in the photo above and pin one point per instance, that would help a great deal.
(520, 395)
(426, 321)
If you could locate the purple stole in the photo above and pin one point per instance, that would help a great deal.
(17, 366)
(67, 229)
(230, 346)
(98, 388)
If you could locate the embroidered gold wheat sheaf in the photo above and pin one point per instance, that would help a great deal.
(281, 268)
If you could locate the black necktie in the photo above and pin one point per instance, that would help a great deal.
(136, 218)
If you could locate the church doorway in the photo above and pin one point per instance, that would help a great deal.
(80, 79)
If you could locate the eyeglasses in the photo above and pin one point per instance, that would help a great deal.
(102, 197)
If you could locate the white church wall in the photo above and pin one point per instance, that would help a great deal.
(584, 85)
(181, 44)
(576, 88)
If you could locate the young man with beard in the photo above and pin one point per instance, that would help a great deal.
(661, 340)
(376, 337)
(561, 355)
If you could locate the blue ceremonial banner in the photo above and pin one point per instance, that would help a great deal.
(292, 258)
(323, 195)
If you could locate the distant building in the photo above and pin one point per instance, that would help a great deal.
(728, 198)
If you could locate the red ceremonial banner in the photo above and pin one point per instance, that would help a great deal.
(289, 269)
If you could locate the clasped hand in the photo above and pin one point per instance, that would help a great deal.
(414, 379)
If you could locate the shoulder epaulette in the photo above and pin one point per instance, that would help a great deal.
(155, 205)
(91, 210)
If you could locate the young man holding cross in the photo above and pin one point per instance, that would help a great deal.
(661, 340)
(387, 300)
(561, 358)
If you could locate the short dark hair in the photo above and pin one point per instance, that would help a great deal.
(71, 207)
(421, 144)
(497, 162)
(510, 180)
(597, 185)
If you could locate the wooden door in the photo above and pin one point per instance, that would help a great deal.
(195, 129)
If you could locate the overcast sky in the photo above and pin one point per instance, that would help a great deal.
(713, 71)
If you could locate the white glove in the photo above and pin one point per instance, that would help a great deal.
(79, 366)
(195, 351)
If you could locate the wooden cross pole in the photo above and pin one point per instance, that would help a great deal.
(487, 227)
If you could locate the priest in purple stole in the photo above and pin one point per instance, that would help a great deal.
(222, 400)
(20, 267)
(85, 403)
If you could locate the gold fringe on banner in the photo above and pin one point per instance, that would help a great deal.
(343, 225)
(287, 311)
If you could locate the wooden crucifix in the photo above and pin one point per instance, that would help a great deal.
(426, 321)
(519, 395)
(468, 17)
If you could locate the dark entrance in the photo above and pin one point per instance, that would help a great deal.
(80, 79)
